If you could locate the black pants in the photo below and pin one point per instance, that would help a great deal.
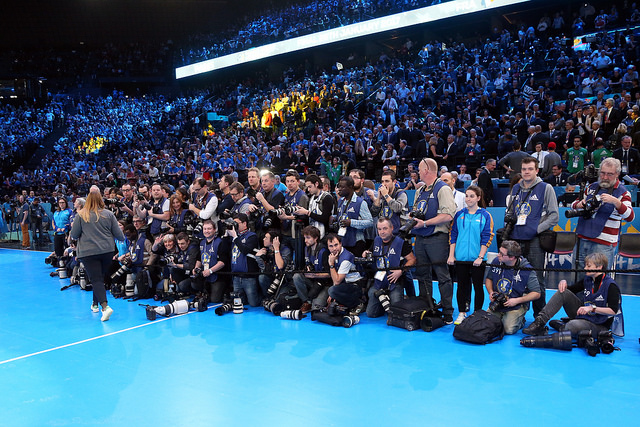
(97, 267)
(58, 244)
(468, 273)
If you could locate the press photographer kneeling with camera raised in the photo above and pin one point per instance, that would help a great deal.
(510, 288)
(389, 251)
(606, 203)
(590, 303)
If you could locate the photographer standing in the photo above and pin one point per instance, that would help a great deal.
(606, 203)
(157, 210)
(511, 289)
(95, 229)
(36, 216)
(353, 217)
(532, 210)
(320, 205)
(434, 202)
(293, 198)
(204, 202)
(391, 202)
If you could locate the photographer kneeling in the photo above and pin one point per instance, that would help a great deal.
(591, 302)
(511, 289)
(389, 251)
(313, 285)
(214, 256)
(272, 260)
(346, 289)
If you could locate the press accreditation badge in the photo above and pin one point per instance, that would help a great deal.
(625, 169)
(380, 276)
(206, 266)
(522, 220)
(342, 231)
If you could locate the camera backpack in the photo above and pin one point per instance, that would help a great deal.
(408, 313)
(289, 299)
(481, 327)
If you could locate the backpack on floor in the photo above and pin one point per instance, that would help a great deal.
(408, 313)
(480, 328)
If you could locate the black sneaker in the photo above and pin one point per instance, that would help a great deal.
(537, 327)
(448, 319)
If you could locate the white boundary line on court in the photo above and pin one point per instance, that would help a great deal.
(100, 336)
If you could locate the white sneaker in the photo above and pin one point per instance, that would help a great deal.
(106, 313)
(95, 308)
(460, 318)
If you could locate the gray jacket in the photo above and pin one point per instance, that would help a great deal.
(96, 236)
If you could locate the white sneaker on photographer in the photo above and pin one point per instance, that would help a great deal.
(460, 318)
(95, 308)
(106, 313)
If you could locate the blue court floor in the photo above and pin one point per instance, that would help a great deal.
(59, 366)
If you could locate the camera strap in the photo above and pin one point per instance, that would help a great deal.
(513, 199)
(426, 205)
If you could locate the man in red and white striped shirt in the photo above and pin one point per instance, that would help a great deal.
(598, 229)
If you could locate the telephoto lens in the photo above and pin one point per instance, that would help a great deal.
(558, 341)
(384, 299)
(273, 287)
(349, 321)
(130, 286)
(224, 308)
(176, 307)
(62, 273)
(238, 307)
(292, 314)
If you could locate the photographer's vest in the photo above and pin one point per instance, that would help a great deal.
(315, 206)
(386, 212)
(177, 220)
(592, 227)
(202, 203)
(156, 224)
(209, 256)
(238, 206)
(530, 204)
(353, 275)
(510, 281)
(387, 256)
(314, 258)
(137, 253)
(290, 200)
(427, 203)
(240, 261)
(350, 209)
(598, 298)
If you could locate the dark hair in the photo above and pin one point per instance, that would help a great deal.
(182, 236)
(530, 160)
(479, 193)
(314, 179)
(312, 231)
(242, 217)
(390, 173)
(333, 236)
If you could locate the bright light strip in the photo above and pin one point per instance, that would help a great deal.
(373, 26)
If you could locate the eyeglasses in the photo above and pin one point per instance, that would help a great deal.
(233, 194)
(197, 189)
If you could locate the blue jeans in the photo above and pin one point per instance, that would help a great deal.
(586, 247)
(250, 287)
(434, 250)
(535, 255)
(374, 308)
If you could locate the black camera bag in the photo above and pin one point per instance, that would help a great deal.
(407, 313)
(481, 327)
(324, 317)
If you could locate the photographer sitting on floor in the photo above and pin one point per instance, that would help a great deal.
(346, 289)
(591, 303)
(272, 259)
(511, 289)
(313, 285)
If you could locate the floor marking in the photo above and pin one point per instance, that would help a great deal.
(100, 336)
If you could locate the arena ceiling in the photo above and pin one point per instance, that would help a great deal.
(62, 22)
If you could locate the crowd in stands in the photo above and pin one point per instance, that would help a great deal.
(283, 22)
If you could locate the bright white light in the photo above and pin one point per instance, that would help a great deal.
(373, 26)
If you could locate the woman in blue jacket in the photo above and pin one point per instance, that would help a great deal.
(61, 225)
(471, 236)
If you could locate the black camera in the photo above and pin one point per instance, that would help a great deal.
(585, 340)
(51, 260)
(166, 260)
(591, 205)
(226, 214)
(196, 273)
(113, 202)
(498, 301)
(228, 224)
(200, 303)
(123, 270)
(606, 342)
(141, 198)
(286, 210)
(510, 221)
(414, 216)
(335, 309)
(273, 306)
(224, 308)
(251, 193)
(146, 206)
(156, 209)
